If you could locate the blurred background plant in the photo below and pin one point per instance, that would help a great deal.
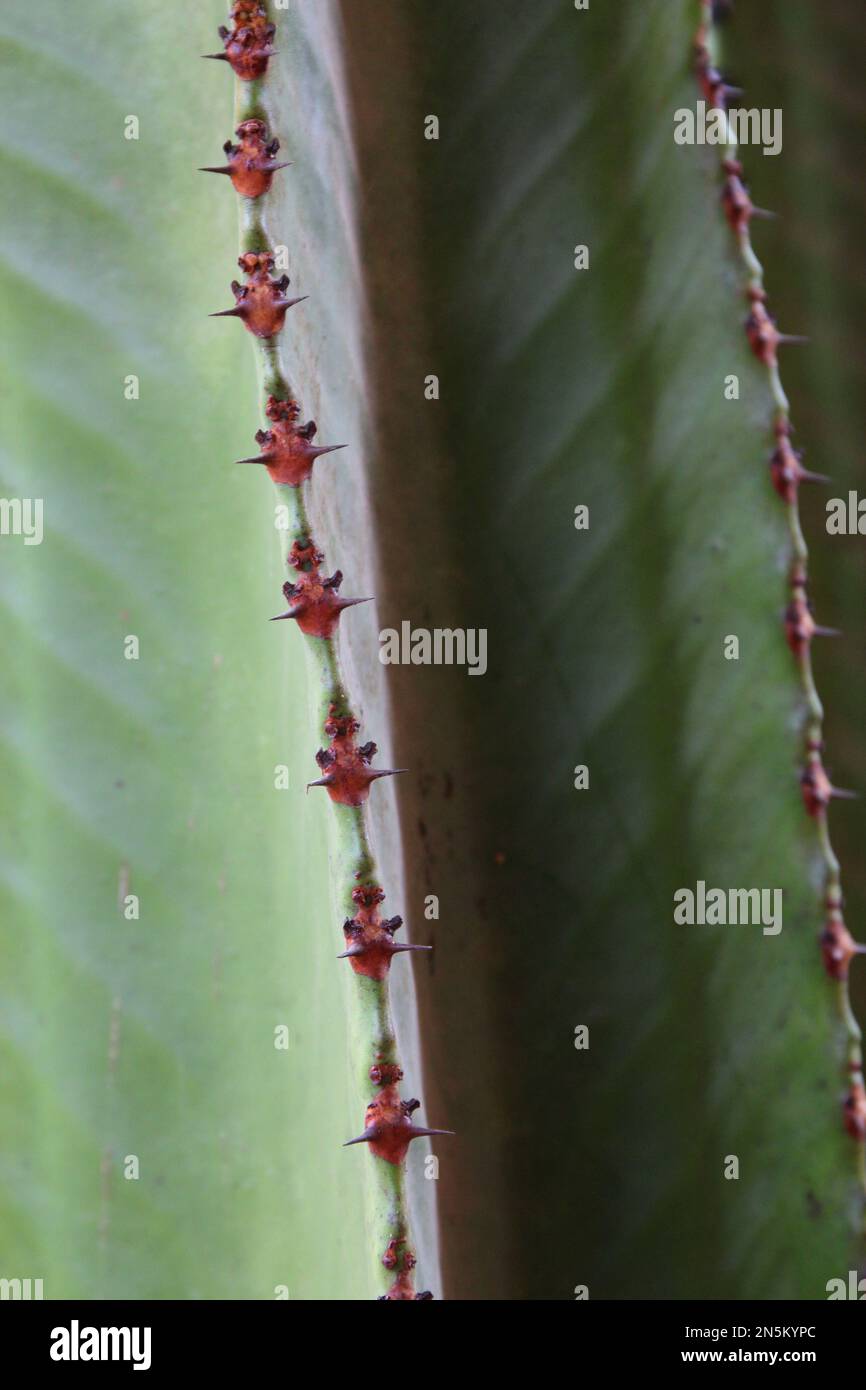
(453, 257)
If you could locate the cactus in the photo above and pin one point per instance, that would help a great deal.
(837, 946)
(605, 388)
(346, 768)
(492, 274)
(177, 913)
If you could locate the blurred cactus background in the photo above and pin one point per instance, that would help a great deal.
(164, 908)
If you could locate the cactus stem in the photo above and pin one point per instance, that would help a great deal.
(838, 947)
(288, 453)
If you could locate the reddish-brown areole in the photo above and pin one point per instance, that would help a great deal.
(386, 1073)
(838, 947)
(713, 85)
(738, 206)
(370, 937)
(764, 337)
(800, 625)
(287, 449)
(261, 302)
(251, 164)
(818, 791)
(313, 599)
(786, 470)
(346, 769)
(388, 1127)
(399, 1257)
(247, 45)
(854, 1111)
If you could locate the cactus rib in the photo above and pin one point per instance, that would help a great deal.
(838, 947)
(289, 456)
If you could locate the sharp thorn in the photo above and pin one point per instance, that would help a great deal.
(419, 1132)
(807, 477)
(218, 57)
(408, 946)
(827, 632)
(320, 782)
(287, 164)
(280, 616)
(792, 338)
(361, 1139)
(353, 602)
(327, 449)
(353, 951)
(763, 212)
(227, 314)
(260, 458)
(844, 795)
(388, 771)
(214, 169)
(289, 303)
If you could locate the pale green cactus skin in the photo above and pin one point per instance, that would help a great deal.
(154, 1038)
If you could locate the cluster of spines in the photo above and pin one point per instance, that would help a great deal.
(260, 303)
(370, 940)
(345, 768)
(313, 598)
(251, 164)
(288, 451)
(838, 947)
(389, 1127)
(288, 454)
(247, 45)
